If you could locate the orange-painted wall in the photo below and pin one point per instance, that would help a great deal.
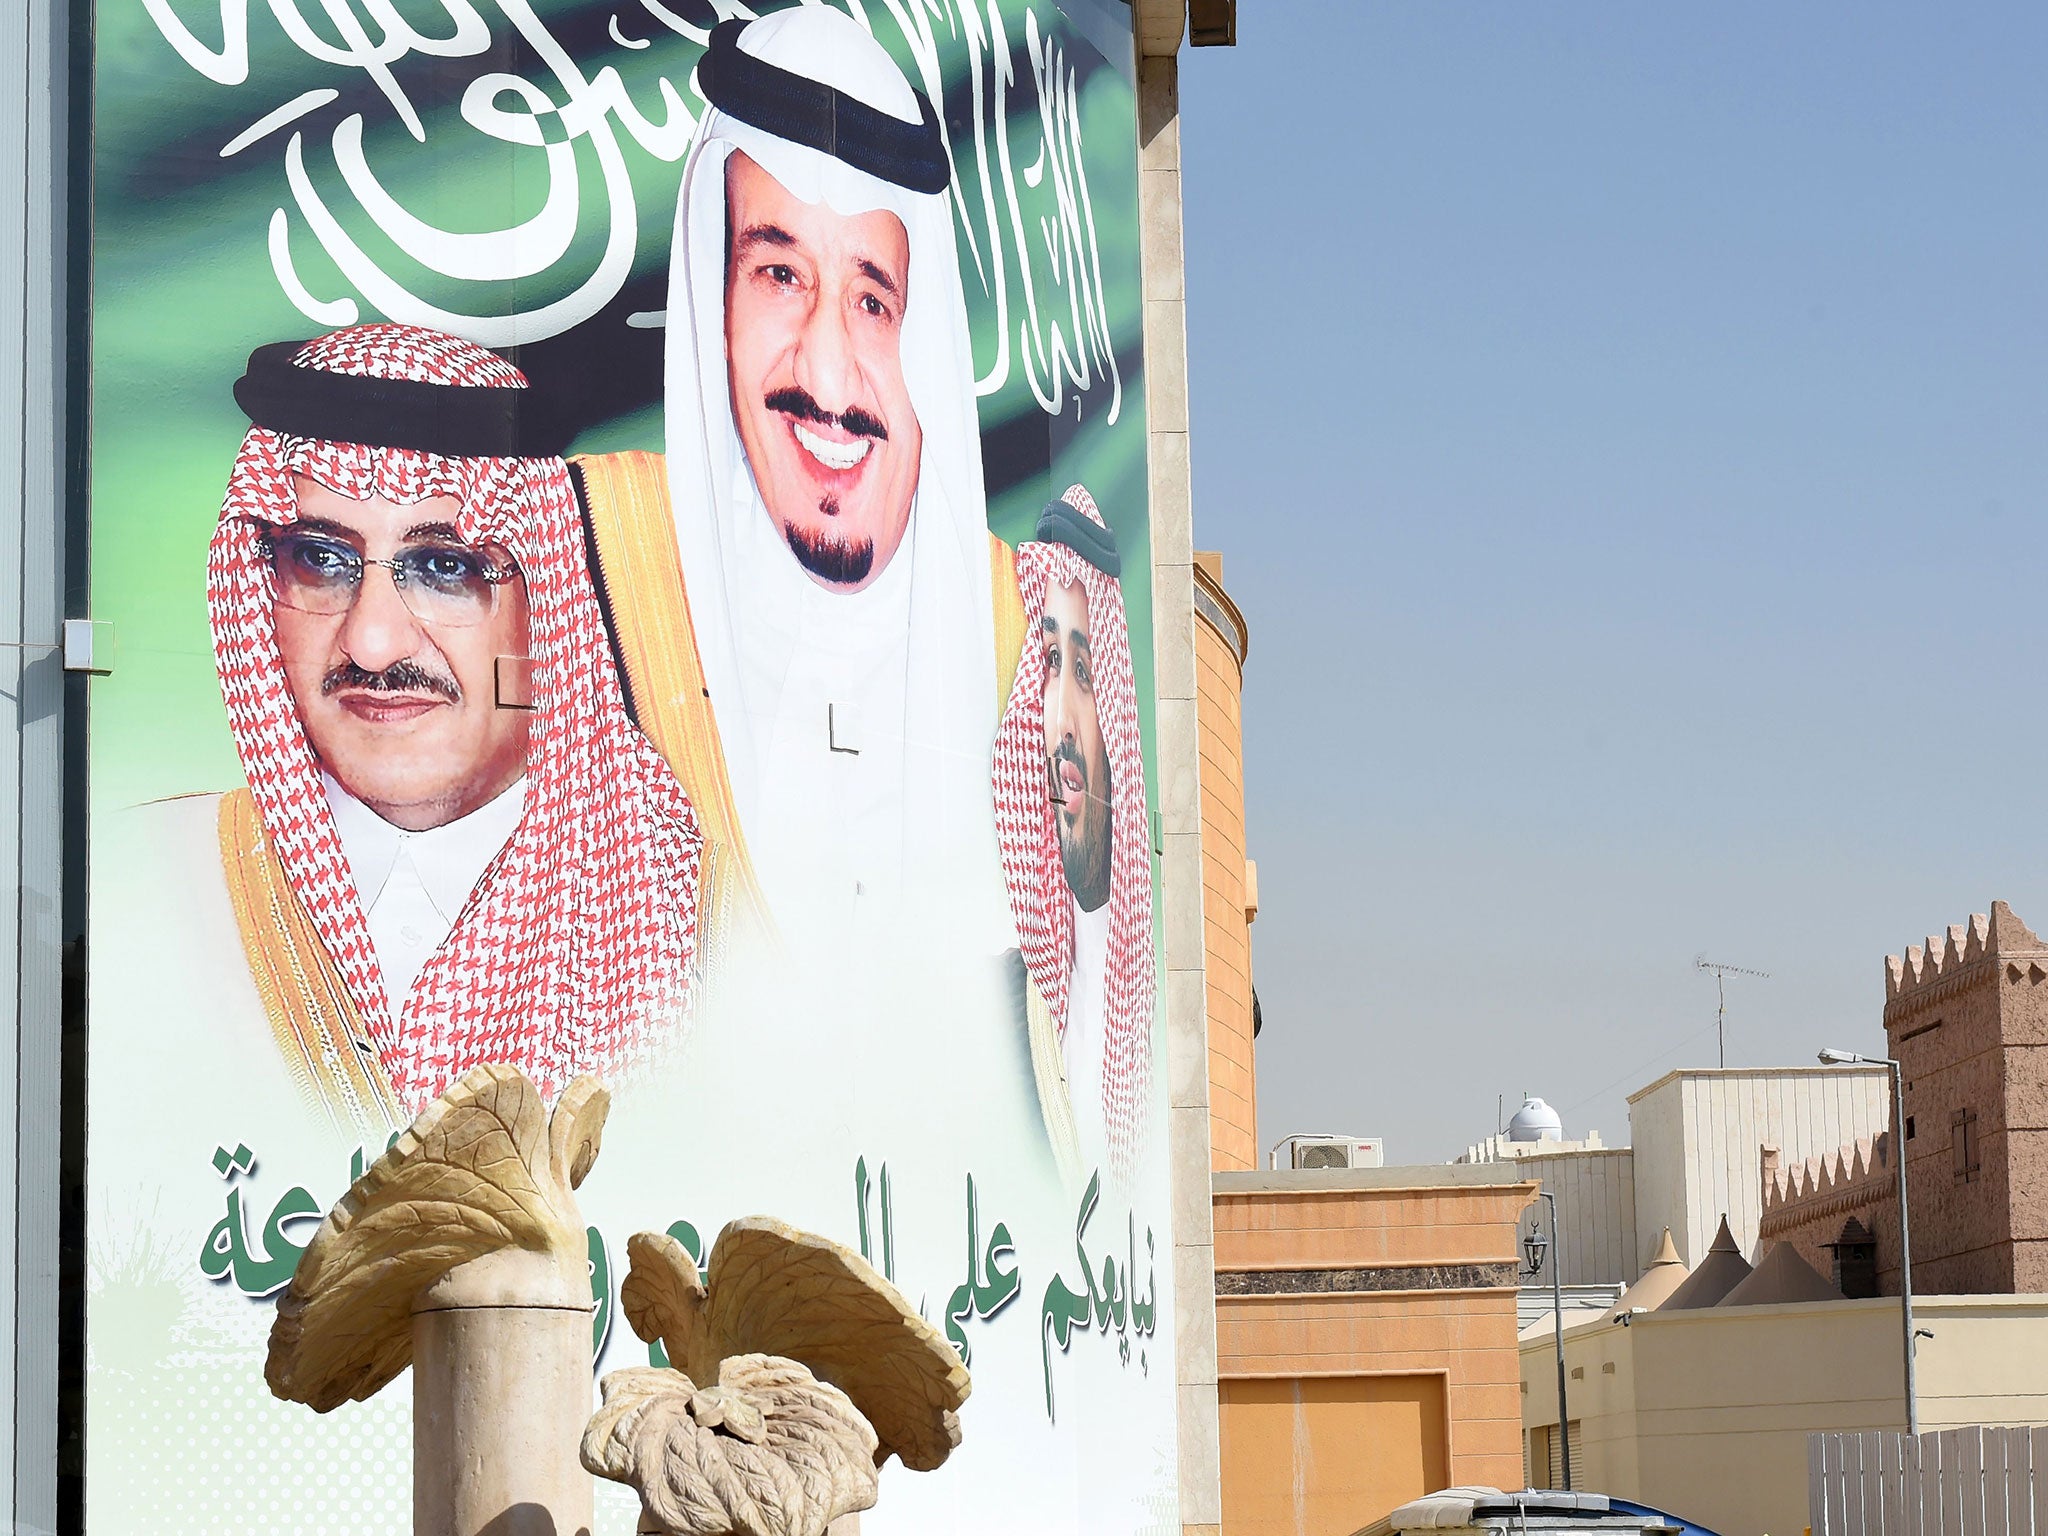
(1381, 1299)
(1371, 1443)
(1220, 641)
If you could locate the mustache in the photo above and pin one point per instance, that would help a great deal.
(1068, 752)
(399, 677)
(798, 402)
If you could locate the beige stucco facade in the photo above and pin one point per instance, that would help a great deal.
(1705, 1413)
(1365, 1341)
(1697, 1137)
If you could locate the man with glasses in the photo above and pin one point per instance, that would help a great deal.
(395, 680)
(453, 847)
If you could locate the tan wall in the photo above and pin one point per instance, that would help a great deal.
(1396, 1276)
(1706, 1413)
(1375, 1442)
(1226, 901)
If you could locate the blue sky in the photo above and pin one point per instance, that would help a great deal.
(1626, 430)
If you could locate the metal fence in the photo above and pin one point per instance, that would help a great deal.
(1976, 1481)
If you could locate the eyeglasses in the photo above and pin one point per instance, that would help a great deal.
(452, 585)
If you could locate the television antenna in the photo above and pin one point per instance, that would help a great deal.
(1721, 971)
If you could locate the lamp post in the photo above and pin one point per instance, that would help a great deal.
(1534, 1246)
(1835, 1058)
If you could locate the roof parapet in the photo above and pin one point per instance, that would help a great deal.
(1999, 933)
(1857, 1166)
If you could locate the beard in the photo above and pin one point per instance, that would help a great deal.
(842, 562)
(1085, 841)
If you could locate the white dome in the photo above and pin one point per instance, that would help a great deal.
(1535, 1121)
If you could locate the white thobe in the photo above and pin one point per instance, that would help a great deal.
(1086, 1037)
(824, 681)
(413, 885)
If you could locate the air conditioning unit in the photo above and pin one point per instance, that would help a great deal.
(1337, 1152)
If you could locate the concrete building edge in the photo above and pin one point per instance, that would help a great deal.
(36, 381)
(1159, 26)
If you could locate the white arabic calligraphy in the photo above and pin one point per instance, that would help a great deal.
(1064, 347)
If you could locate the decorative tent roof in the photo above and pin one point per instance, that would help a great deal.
(1665, 1273)
(1783, 1276)
(1718, 1273)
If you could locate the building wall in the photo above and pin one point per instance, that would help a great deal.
(1159, 25)
(1967, 1019)
(1705, 1413)
(1596, 1213)
(1372, 1440)
(1697, 1135)
(45, 1060)
(1347, 1298)
(1228, 902)
(1810, 1206)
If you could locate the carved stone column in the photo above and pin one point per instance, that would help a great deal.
(500, 1395)
(461, 1253)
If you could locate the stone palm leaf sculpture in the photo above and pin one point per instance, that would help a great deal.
(816, 1371)
(480, 1183)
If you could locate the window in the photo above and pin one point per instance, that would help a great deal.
(1963, 1137)
(1855, 1260)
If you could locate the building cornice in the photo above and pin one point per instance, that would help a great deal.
(1217, 610)
(1159, 26)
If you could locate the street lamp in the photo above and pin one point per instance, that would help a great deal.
(1834, 1058)
(1535, 1246)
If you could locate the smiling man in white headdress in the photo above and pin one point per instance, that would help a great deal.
(806, 595)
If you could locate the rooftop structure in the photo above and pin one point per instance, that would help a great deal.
(1535, 1121)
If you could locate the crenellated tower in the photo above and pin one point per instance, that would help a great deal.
(1966, 1016)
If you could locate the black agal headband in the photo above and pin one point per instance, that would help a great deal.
(811, 113)
(1063, 523)
(456, 421)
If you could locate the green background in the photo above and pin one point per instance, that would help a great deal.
(183, 290)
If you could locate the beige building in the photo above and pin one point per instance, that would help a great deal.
(1597, 1244)
(1697, 1154)
(1705, 1413)
(1698, 1137)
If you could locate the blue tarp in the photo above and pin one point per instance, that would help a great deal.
(1629, 1506)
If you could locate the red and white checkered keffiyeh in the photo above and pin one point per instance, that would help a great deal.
(1040, 899)
(574, 952)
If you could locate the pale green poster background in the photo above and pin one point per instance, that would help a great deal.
(217, 123)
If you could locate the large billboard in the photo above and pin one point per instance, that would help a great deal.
(624, 529)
